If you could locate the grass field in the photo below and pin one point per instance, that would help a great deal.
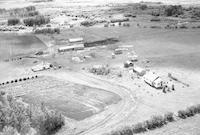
(74, 101)
(12, 44)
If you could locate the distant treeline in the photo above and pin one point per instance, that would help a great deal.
(37, 20)
(20, 12)
(30, 21)
(47, 31)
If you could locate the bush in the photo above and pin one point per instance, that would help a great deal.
(155, 19)
(45, 121)
(169, 117)
(143, 7)
(30, 8)
(139, 128)
(88, 23)
(155, 122)
(100, 70)
(13, 114)
(173, 10)
(126, 131)
(182, 114)
(198, 108)
(13, 21)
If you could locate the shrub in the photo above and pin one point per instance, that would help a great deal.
(169, 117)
(13, 21)
(126, 131)
(13, 114)
(182, 114)
(30, 8)
(143, 6)
(88, 23)
(45, 121)
(173, 10)
(183, 27)
(198, 108)
(155, 19)
(139, 128)
(155, 121)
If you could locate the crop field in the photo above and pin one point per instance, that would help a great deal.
(12, 44)
(74, 101)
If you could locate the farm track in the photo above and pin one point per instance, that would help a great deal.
(121, 112)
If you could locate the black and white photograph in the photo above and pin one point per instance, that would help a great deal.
(99, 67)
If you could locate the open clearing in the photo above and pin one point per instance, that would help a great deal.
(14, 44)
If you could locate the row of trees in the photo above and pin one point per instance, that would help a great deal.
(38, 20)
(47, 31)
(157, 121)
(31, 21)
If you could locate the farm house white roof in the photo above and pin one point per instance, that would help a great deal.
(151, 76)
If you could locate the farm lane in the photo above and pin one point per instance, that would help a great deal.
(109, 117)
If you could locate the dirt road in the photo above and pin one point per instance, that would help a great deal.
(112, 115)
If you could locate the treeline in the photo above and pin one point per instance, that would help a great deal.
(157, 121)
(36, 21)
(23, 12)
(47, 31)
(30, 21)
(20, 118)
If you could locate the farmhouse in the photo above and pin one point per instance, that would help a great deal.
(71, 48)
(140, 71)
(153, 80)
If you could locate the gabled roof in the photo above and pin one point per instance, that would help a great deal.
(151, 76)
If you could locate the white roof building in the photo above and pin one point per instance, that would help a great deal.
(140, 71)
(153, 80)
(74, 40)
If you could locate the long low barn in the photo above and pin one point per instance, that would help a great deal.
(74, 40)
(71, 48)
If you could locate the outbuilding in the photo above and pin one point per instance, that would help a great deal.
(71, 48)
(40, 67)
(76, 40)
(140, 71)
(153, 80)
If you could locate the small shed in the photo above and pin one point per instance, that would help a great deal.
(153, 80)
(140, 71)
